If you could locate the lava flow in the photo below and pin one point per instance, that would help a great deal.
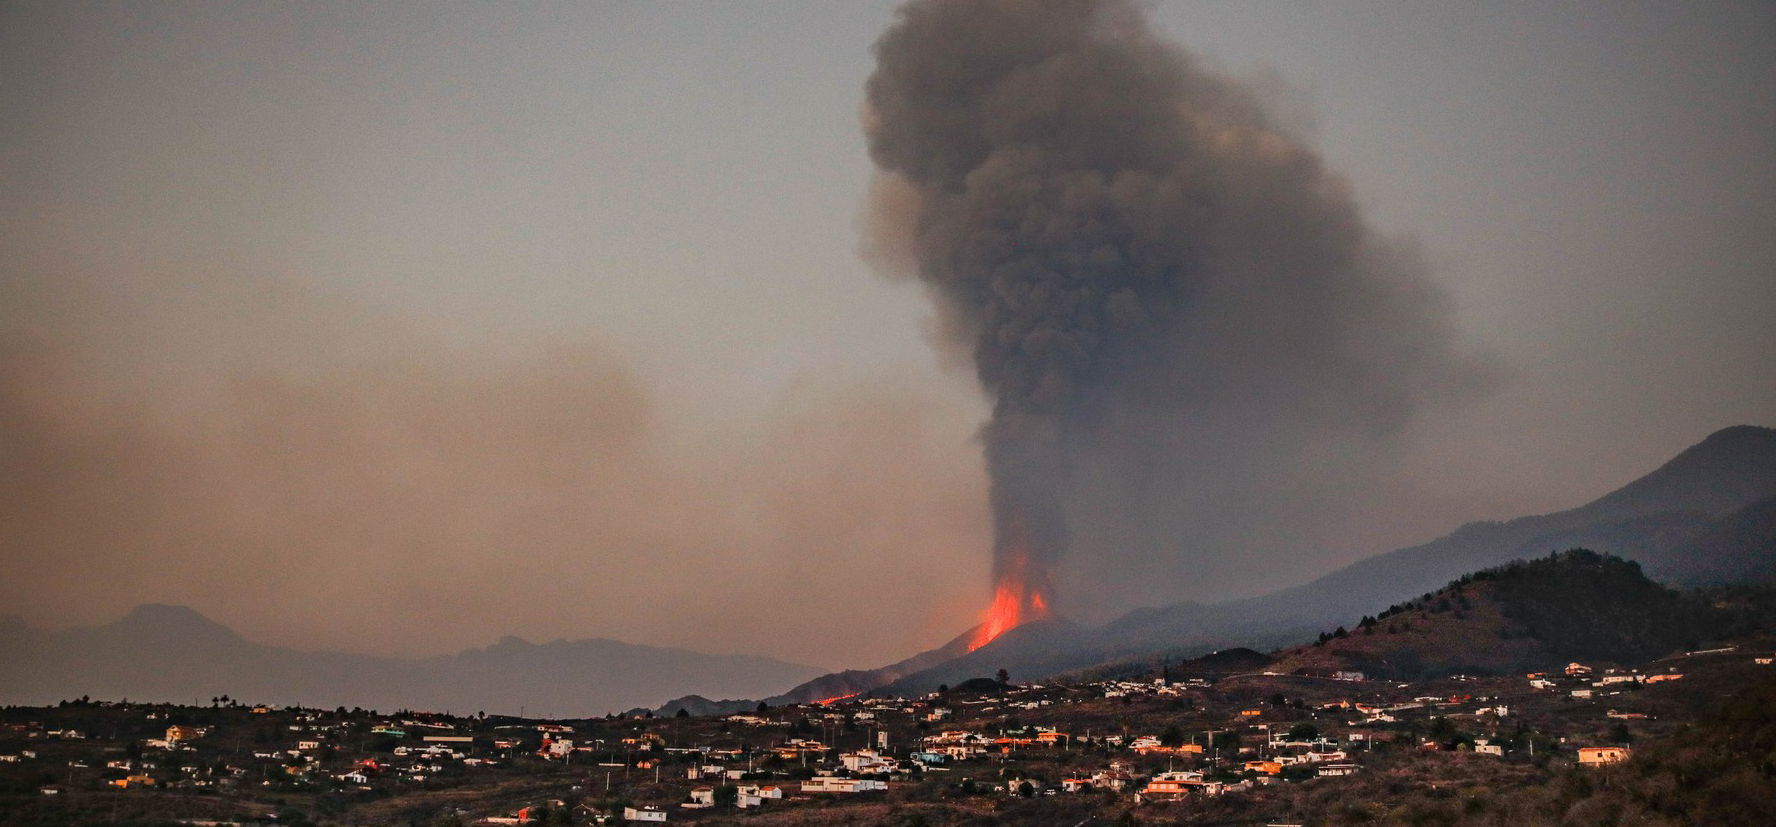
(1014, 604)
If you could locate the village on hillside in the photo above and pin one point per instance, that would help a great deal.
(1178, 745)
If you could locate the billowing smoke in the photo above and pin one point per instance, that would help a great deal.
(1184, 325)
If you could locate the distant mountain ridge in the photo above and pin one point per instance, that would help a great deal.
(1706, 517)
(174, 653)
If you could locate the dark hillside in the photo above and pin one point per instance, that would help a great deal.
(1720, 770)
(1212, 666)
(1737, 548)
(1580, 604)
(1526, 616)
(1703, 518)
(1220, 664)
(1030, 652)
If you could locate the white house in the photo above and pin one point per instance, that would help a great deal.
(866, 761)
(644, 814)
(830, 784)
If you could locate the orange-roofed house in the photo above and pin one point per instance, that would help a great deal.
(1173, 786)
(1599, 756)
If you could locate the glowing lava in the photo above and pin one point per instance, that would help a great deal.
(1014, 604)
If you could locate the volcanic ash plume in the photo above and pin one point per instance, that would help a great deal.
(1165, 297)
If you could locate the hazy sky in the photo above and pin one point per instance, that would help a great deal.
(396, 327)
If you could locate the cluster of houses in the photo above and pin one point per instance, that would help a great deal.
(1266, 754)
(1584, 682)
(1157, 686)
(944, 732)
(961, 744)
(307, 756)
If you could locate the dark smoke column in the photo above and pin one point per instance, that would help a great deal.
(1148, 275)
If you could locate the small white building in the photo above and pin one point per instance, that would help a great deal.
(559, 748)
(832, 784)
(866, 761)
(652, 814)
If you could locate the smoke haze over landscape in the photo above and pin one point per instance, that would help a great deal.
(397, 328)
(1180, 315)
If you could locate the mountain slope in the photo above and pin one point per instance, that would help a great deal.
(842, 684)
(1524, 616)
(1739, 547)
(1702, 517)
(1657, 518)
(174, 653)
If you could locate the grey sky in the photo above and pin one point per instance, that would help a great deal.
(420, 207)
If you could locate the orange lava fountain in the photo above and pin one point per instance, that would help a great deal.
(1014, 604)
